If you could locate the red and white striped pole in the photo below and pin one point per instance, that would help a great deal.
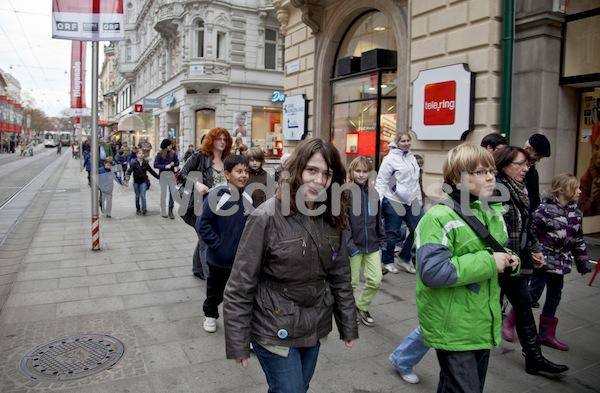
(95, 151)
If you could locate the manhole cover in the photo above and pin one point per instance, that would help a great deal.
(72, 357)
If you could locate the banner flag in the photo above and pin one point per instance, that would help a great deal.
(3, 114)
(78, 58)
(88, 20)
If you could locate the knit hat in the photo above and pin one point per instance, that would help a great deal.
(541, 144)
(165, 143)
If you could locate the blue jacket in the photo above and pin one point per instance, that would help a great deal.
(365, 233)
(87, 163)
(221, 230)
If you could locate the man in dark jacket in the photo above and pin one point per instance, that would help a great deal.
(538, 147)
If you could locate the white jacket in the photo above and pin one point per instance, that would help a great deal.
(400, 171)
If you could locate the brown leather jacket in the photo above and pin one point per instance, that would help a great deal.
(290, 276)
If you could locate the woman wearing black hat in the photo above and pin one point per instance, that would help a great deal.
(165, 162)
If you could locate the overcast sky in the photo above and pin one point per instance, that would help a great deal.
(28, 52)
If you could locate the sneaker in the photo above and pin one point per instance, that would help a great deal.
(210, 324)
(391, 268)
(406, 266)
(365, 317)
(410, 378)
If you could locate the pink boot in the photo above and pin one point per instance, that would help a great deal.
(548, 332)
(508, 326)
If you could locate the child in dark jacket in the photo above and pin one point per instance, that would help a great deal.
(558, 225)
(221, 225)
(256, 159)
(88, 165)
(106, 178)
(365, 237)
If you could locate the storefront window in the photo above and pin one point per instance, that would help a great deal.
(205, 120)
(363, 111)
(266, 131)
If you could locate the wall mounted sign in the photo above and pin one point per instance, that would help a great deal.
(170, 100)
(277, 96)
(151, 103)
(443, 103)
(139, 108)
(294, 117)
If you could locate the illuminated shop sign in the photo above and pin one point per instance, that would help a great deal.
(443, 100)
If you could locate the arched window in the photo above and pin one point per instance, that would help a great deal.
(199, 29)
(363, 89)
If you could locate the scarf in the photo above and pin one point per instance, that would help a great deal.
(517, 191)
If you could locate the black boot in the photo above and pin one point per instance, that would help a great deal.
(527, 332)
(171, 216)
(534, 364)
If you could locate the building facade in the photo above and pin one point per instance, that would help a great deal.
(188, 66)
(358, 66)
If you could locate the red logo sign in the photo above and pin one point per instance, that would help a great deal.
(440, 104)
(139, 108)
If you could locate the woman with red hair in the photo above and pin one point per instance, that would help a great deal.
(205, 170)
(589, 200)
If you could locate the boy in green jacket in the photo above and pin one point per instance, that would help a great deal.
(458, 297)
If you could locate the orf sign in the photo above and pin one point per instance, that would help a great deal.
(443, 100)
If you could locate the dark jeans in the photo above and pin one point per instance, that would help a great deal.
(392, 223)
(291, 374)
(199, 264)
(554, 285)
(215, 285)
(516, 289)
(462, 371)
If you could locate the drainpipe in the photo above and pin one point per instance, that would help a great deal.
(508, 39)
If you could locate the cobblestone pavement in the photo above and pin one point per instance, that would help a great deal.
(139, 289)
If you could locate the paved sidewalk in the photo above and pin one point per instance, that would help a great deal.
(139, 289)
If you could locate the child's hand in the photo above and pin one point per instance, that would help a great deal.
(504, 260)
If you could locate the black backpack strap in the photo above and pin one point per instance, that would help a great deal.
(475, 224)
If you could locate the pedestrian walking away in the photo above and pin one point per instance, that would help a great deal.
(559, 226)
(166, 162)
(291, 272)
(365, 236)
(512, 164)
(222, 232)
(401, 199)
(208, 164)
(140, 169)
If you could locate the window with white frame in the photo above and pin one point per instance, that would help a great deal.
(270, 49)
(220, 45)
(128, 55)
(199, 29)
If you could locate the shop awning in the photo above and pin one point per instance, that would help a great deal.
(131, 123)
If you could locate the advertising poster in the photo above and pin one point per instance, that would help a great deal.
(88, 20)
(78, 52)
(240, 120)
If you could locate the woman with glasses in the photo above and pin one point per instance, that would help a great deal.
(216, 146)
(512, 164)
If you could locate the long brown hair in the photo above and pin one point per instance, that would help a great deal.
(208, 145)
(295, 165)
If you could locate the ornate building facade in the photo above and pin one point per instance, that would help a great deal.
(188, 66)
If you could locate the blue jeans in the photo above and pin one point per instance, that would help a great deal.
(291, 374)
(554, 283)
(140, 192)
(410, 352)
(392, 222)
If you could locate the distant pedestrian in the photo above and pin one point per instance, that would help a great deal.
(146, 147)
(493, 142)
(105, 150)
(537, 147)
(365, 237)
(166, 162)
(88, 165)
(291, 275)
(222, 232)
(132, 155)
(256, 159)
(106, 178)
(126, 149)
(188, 153)
(140, 169)
(121, 162)
(559, 226)
(86, 147)
(208, 161)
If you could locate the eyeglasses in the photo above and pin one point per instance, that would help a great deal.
(222, 139)
(522, 164)
(484, 172)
